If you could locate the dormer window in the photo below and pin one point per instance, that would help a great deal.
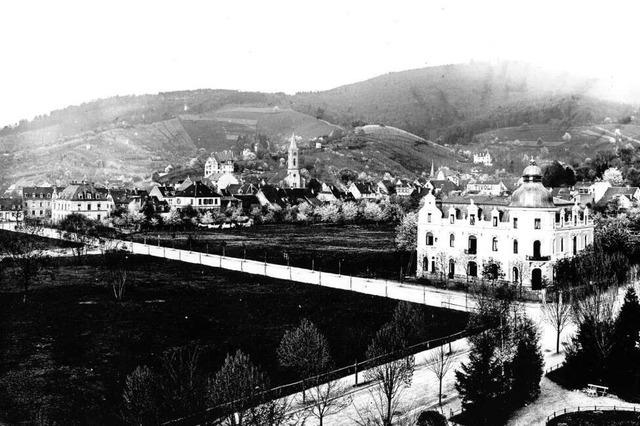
(451, 218)
(495, 221)
(472, 219)
(429, 217)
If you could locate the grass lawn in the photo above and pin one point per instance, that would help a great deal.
(597, 418)
(71, 345)
(366, 251)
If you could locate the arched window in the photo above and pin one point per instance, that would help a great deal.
(429, 239)
(536, 279)
(452, 268)
(472, 269)
(536, 249)
(452, 240)
(516, 276)
(473, 245)
(515, 246)
(425, 263)
(494, 244)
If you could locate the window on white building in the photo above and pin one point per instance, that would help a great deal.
(495, 221)
(494, 244)
(429, 239)
(515, 246)
(451, 218)
(536, 223)
(561, 244)
(472, 219)
(452, 240)
(429, 217)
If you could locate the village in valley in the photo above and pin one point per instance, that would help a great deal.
(351, 230)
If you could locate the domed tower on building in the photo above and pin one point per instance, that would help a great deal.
(293, 179)
(525, 233)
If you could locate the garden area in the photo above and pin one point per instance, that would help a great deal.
(607, 417)
(67, 353)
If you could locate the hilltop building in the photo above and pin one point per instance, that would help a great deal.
(525, 233)
(82, 198)
(482, 158)
(219, 163)
(293, 179)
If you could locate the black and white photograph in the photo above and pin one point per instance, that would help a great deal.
(297, 213)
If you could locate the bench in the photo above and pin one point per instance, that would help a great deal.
(597, 390)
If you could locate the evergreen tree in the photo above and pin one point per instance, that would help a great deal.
(479, 381)
(527, 363)
(625, 357)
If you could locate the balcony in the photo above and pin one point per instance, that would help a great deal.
(537, 257)
(470, 251)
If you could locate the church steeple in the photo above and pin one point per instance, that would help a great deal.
(293, 166)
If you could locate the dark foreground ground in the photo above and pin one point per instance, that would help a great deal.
(71, 345)
(359, 250)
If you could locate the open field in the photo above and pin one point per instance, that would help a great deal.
(365, 251)
(70, 346)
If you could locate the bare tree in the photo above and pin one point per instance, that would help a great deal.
(305, 350)
(116, 271)
(183, 387)
(392, 376)
(234, 385)
(27, 252)
(326, 399)
(440, 363)
(558, 314)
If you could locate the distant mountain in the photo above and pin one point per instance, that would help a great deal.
(411, 116)
(451, 103)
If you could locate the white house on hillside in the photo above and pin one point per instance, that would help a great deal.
(220, 163)
(482, 158)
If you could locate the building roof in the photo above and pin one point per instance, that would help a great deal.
(224, 156)
(37, 191)
(365, 187)
(616, 191)
(197, 190)
(531, 193)
(80, 191)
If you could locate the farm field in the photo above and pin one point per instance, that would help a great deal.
(359, 250)
(67, 351)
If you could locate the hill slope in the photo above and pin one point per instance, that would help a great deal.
(132, 136)
(453, 102)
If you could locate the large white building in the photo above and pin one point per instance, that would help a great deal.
(482, 158)
(526, 233)
(82, 198)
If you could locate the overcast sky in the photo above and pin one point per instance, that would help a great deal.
(57, 53)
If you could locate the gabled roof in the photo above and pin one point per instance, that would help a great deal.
(365, 187)
(79, 191)
(223, 156)
(616, 191)
(39, 191)
(197, 190)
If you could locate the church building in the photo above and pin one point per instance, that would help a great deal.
(525, 233)
(293, 179)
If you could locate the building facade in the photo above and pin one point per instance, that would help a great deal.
(82, 198)
(198, 196)
(482, 158)
(525, 233)
(37, 201)
(219, 163)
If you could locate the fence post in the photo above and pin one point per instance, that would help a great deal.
(350, 282)
(386, 285)
(356, 370)
(319, 277)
